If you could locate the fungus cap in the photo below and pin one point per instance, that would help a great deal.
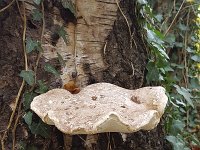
(101, 107)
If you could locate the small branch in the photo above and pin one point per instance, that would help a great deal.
(185, 52)
(21, 87)
(15, 126)
(1, 10)
(129, 28)
(174, 18)
(41, 37)
(75, 51)
(19, 9)
(104, 49)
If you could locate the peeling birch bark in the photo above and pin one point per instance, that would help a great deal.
(87, 38)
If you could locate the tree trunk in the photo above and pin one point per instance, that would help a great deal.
(104, 44)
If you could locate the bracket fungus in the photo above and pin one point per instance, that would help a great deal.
(101, 107)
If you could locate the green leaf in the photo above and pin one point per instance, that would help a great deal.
(189, 50)
(62, 33)
(153, 72)
(61, 60)
(194, 83)
(161, 49)
(142, 2)
(168, 68)
(39, 47)
(177, 66)
(177, 127)
(28, 76)
(196, 58)
(159, 17)
(42, 87)
(152, 37)
(67, 4)
(37, 2)
(31, 45)
(40, 128)
(182, 27)
(37, 15)
(177, 143)
(179, 44)
(184, 92)
(170, 39)
(27, 99)
(51, 69)
(22, 145)
(28, 118)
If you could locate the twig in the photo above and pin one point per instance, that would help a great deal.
(133, 69)
(174, 18)
(197, 4)
(104, 48)
(15, 126)
(185, 75)
(75, 51)
(21, 87)
(41, 37)
(167, 18)
(19, 9)
(185, 52)
(109, 143)
(129, 28)
(1, 10)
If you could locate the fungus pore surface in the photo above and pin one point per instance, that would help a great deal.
(101, 107)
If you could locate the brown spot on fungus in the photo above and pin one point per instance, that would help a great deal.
(135, 99)
(94, 98)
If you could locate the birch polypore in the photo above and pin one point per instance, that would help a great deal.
(101, 107)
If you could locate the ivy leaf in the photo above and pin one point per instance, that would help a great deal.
(42, 87)
(22, 145)
(177, 127)
(170, 38)
(161, 49)
(142, 2)
(159, 17)
(184, 92)
(27, 99)
(154, 38)
(31, 45)
(37, 15)
(61, 60)
(181, 66)
(40, 128)
(196, 58)
(182, 27)
(177, 143)
(194, 83)
(51, 69)
(67, 4)
(28, 118)
(153, 72)
(28, 76)
(179, 44)
(62, 33)
(37, 2)
(189, 50)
